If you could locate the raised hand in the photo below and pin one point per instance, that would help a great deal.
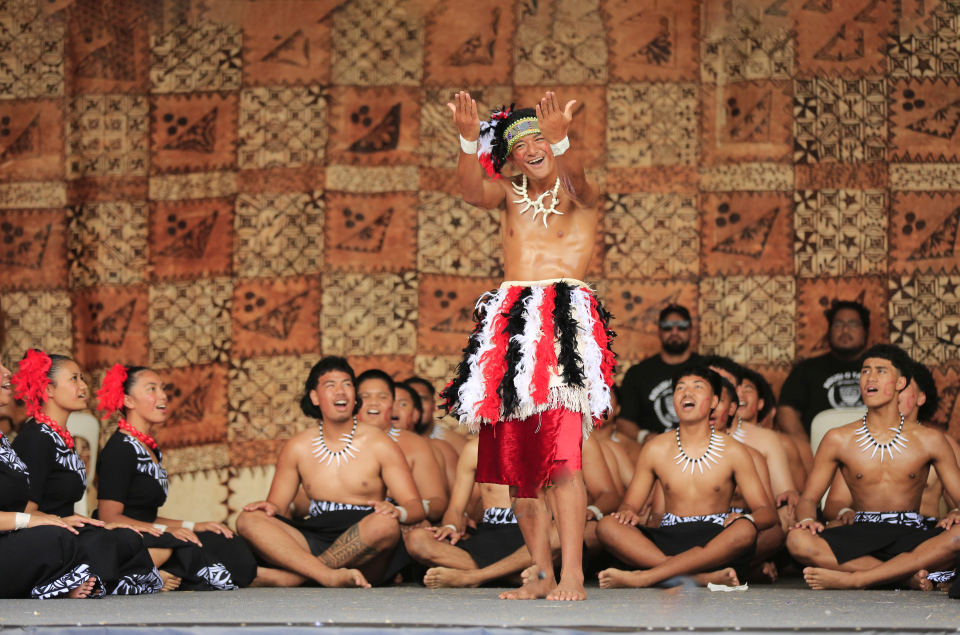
(465, 116)
(553, 121)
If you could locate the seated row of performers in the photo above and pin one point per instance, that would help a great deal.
(376, 491)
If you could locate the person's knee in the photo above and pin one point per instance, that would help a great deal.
(245, 521)
(607, 527)
(380, 532)
(743, 535)
(801, 545)
(418, 542)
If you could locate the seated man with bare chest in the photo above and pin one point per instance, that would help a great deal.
(884, 460)
(698, 472)
(345, 468)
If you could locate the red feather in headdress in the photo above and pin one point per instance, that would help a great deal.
(31, 381)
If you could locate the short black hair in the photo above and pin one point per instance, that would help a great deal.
(376, 373)
(838, 305)
(674, 308)
(698, 369)
(764, 391)
(423, 382)
(133, 375)
(928, 386)
(726, 384)
(893, 354)
(725, 363)
(326, 365)
(414, 397)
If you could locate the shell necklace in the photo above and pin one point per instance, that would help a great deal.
(538, 205)
(322, 452)
(713, 452)
(739, 434)
(394, 433)
(866, 440)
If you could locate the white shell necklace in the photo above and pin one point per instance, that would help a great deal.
(739, 434)
(322, 452)
(713, 452)
(538, 205)
(394, 433)
(866, 440)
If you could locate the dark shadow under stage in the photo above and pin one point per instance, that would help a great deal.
(411, 610)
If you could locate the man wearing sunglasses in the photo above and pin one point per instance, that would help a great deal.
(647, 396)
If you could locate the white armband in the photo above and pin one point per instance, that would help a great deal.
(189, 525)
(844, 511)
(470, 147)
(426, 506)
(800, 522)
(20, 521)
(403, 515)
(596, 511)
(159, 526)
(560, 147)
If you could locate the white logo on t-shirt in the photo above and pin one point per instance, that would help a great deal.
(843, 390)
(662, 398)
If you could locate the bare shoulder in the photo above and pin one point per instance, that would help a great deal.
(930, 437)
(741, 451)
(841, 434)
(372, 436)
(414, 441)
(300, 441)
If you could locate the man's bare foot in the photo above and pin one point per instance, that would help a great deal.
(535, 585)
(770, 571)
(444, 578)
(568, 591)
(268, 577)
(725, 577)
(170, 581)
(819, 579)
(617, 579)
(918, 581)
(345, 578)
(83, 590)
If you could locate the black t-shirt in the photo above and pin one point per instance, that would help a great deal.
(14, 479)
(646, 397)
(128, 475)
(58, 477)
(822, 383)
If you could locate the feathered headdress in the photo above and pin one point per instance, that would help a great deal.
(489, 144)
(110, 395)
(31, 380)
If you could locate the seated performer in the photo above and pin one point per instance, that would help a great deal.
(621, 452)
(40, 552)
(884, 460)
(52, 386)
(407, 414)
(698, 535)
(376, 389)
(428, 426)
(345, 468)
(133, 485)
(536, 373)
(756, 404)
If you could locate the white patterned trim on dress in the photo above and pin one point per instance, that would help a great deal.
(941, 576)
(499, 516)
(139, 583)
(218, 577)
(319, 507)
(670, 520)
(65, 456)
(66, 583)
(9, 457)
(146, 465)
(738, 510)
(906, 519)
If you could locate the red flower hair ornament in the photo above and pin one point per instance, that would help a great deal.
(110, 400)
(31, 383)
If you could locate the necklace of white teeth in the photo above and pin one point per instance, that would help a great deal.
(538, 205)
(713, 452)
(739, 434)
(866, 440)
(394, 433)
(322, 452)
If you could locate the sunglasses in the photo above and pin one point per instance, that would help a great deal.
(669, 325)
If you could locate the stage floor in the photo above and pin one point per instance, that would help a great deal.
(782, 607)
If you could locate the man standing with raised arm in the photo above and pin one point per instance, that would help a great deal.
(537, 369)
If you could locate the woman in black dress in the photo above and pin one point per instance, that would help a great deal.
(204, 556)
(52, 387)
(43, 550)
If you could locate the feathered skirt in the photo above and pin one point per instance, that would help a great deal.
(536, 346)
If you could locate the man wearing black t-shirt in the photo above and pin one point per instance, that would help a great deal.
(831, 380)
(647, 398)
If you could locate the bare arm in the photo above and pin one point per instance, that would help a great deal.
(475, 190)
(789, 422)
(462, 488)
(112, 512)
(763, 471)
(945, 463)
(427, 476)
(614, 466)
(754, 493)
(597, 477)
(798, 470)
(824, 468)
(952, 502)
(643, 479)
(398, 479)
(554, 123)
(286, 480)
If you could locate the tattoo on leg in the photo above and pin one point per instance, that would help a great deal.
(348, 549)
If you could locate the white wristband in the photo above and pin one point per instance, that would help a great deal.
(20, 521)
(453, 528)
(403, 515)
(750, 518)
(426, 506)
(800, 522)
(844, 511)
(560, 147)
(596, 511)
(470, 147)
(189, 524)
(159, 526)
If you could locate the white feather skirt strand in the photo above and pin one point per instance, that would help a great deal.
(472, 393)
(523, 381)
(598, 393)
